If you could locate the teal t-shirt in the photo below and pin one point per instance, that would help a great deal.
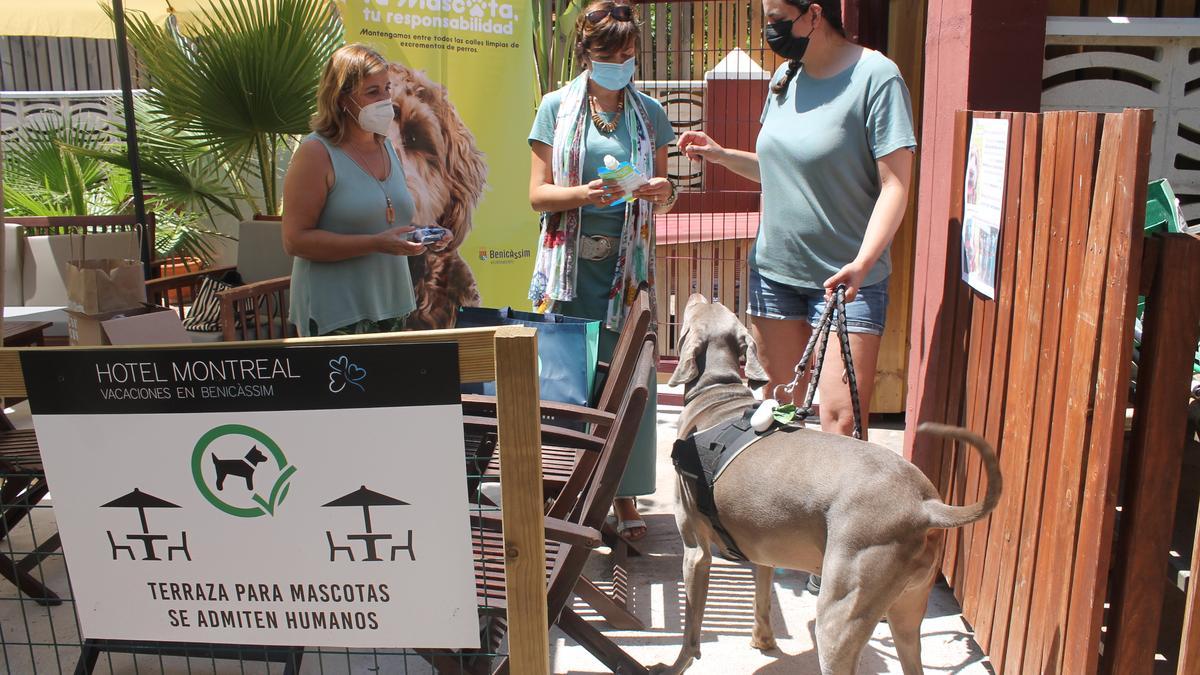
(375, 286)
(601, 220)
(817, 155)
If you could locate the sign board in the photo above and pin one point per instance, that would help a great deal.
(983, 203)
(309, 496)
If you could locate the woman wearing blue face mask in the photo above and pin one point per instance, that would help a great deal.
(593, 253)
(347, 210)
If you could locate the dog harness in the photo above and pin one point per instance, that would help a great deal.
(703, 456)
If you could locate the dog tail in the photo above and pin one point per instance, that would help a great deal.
(945, 516)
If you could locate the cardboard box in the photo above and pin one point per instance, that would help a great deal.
(145, 325)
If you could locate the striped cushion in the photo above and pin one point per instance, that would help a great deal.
(205, 313)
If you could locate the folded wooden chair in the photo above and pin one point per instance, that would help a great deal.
(569, 542)
(22, 486)
(565, 449)
(568, 458)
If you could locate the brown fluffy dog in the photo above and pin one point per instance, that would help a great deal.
(446, 175)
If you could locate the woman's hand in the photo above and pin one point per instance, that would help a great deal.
(657, 191)
(395, 242)
(697, 145)
(851, 275)
(602, 192)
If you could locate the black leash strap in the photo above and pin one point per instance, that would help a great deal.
(818, 343)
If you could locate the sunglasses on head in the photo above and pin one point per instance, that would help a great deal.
(617, 12)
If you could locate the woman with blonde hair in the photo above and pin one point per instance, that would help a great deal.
(595, 255)
(347, 211)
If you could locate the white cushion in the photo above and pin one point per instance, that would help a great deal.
(260, 253)
(13, 296)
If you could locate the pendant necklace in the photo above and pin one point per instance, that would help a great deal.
(390, 212)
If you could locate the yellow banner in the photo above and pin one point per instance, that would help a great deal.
(463, 84)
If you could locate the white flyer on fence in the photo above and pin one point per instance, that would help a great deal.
(300, 496)
(983, 203)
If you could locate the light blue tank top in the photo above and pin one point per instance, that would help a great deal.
(375, 286)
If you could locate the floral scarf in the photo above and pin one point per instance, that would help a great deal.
(558, 246)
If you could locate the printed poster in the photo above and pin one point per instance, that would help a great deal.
(463, 81)
(263, 496)
(983, 203)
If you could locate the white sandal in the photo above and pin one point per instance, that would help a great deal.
(624, 526)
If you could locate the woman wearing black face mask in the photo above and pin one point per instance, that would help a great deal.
(835, 159)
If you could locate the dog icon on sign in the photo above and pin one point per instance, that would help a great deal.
(242, 468)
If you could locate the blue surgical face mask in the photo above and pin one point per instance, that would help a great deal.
(614, 76)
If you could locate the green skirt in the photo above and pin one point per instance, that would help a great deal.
(592, 283)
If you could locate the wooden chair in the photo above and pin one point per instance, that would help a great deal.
(559, 460)
(567, 459)
(22, 486)
(257, 310)
(569, 542)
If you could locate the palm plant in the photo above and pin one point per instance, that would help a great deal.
(42, 180)
(56, 166)
(241, 83)
(180, 171)
(554, 41)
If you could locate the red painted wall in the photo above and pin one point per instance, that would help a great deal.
(980, 55)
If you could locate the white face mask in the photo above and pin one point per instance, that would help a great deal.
(377, 117)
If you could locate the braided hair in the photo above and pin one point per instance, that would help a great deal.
(832, 14)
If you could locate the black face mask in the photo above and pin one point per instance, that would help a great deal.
(782, 42)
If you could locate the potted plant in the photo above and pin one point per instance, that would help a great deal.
(238, 85)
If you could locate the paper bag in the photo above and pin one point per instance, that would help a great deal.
(105, 285)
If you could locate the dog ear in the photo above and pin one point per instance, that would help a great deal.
(755, 373)
(466, 170)
(686, 370)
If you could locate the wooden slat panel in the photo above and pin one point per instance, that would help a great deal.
(1189, 644)
(1139, 7)
(982, 584)
(1064, 7)
(41, 57)
(1094, 553)
(1178, 8)
(661, 41)
(983, 318)
(1014, 446)
(29, 61)
(1060, 131)
(1052, 346)
(1155, 455)
(1102, 7)
(93, 51)
(1091, 222)
(949, 386)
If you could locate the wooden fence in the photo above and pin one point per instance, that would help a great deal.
(1043, 372)
(61, 64)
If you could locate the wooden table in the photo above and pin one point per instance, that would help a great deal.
(24, 333)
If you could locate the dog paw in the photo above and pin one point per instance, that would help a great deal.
(764, 644)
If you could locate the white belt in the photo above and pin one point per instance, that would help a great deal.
(598, 247)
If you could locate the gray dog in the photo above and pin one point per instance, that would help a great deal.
(867, 521)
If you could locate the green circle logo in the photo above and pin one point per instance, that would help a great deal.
(238, 470)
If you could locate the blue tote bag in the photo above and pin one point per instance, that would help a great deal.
(567, 351)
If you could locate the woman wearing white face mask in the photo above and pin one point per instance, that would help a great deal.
(594, 254)
(347, 210)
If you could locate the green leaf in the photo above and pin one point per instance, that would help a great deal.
(785, 414)
(245, 72)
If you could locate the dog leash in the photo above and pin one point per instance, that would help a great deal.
(818, 343)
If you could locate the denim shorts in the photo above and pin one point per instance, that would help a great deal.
(773, 300)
